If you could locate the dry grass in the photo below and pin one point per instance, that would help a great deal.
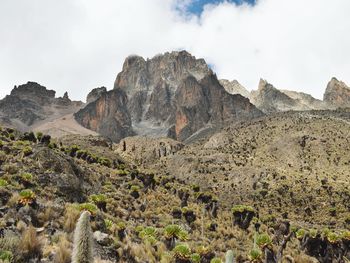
(63, 251)
(71, 216)
(30, 245)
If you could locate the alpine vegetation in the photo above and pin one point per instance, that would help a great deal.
(82, 247)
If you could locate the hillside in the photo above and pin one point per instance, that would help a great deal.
(287, 174)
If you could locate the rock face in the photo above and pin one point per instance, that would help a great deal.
(269, 99)
(108, 115)
(305, 99)
(95, 94)
(337, 94)
(31, 103)
(234, 87)
(172, 95)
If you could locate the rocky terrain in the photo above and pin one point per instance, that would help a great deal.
(337, 94)
(234, 87)
(269, 99)
(31, 104)
(171, 95)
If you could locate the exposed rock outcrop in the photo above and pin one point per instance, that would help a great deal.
(234, 87)
(269, 99)
(171, 95)
(337, 94)
(305, 99)
(95, 94)
(31, 103)
(108, 115)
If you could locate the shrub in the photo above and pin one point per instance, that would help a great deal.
(6, 256)
(195, 258)
(255, 255)
(27, 177)
(175, 231)
(88, 207)
(149, 234)
(300, 233)
(3, 183)
(105, 161)
(243, 215)
(333, 237)
(263, 240)
(182, 252)
(216, 260)
(100, 200)
(39, 136)
(108, 224)
(27, 197)
(10, 242)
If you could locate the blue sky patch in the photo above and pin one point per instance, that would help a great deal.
(196, 7)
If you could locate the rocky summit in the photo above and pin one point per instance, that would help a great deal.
(337, 94)
(171, 95)
(31, 104)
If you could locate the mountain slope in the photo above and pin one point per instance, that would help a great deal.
(289, 164)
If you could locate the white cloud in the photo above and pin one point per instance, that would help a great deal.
(77, 45)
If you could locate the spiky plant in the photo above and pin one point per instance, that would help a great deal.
(229, 257)
(82, 247)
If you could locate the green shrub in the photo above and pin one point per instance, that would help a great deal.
(27, 150)
(6, 256)
(333, 237)
(39, 135)
(216, 260)
(104, 161)
(195, 258)
(300, 233)
(98, 199)
(175, 231)
(108, 224)
(26, 197)
(88, 207)
(121, 172)
(263, 240)
(28, 177)
(255, 254)
(3, 183)
(182, 251)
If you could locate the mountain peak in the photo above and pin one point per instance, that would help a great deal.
(337, 94)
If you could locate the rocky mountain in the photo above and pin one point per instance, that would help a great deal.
(305, 99)
(31, 104)
(171, 95)
(108, 115)
(234, 87)
(270, 99)
(337, 94)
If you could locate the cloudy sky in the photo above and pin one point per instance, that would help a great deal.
(77, 45)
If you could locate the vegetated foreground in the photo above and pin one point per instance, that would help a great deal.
(271, 190)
